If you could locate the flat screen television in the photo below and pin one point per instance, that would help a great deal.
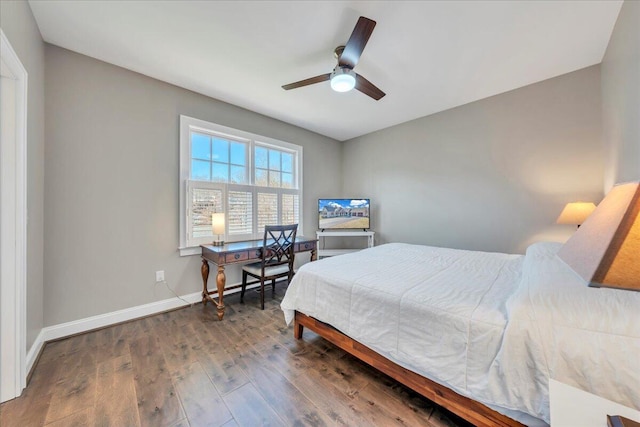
(343, 213)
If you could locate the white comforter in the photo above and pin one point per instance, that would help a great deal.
(491, 326)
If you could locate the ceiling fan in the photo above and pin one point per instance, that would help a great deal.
(343, 78)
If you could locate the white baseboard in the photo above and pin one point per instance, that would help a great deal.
(50, 333)
(34, 351)
(100, 321)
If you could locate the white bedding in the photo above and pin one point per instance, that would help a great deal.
(489, 326)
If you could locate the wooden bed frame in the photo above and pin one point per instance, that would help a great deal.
(470, 410)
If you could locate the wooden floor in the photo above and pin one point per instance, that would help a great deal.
(185, 368)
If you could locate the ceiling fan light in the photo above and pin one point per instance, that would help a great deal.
(343, 79)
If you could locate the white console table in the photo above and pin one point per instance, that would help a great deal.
(331, 252)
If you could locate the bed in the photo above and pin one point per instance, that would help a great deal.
(479, 333)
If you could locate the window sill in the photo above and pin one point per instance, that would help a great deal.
(193, 250)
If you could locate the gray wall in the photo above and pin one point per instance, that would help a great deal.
(491, 175)
(19, 26)
(621, 98)
(111, 185)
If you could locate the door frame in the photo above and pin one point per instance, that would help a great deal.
(13, 232)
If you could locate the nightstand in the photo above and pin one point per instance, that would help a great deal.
(572, 407)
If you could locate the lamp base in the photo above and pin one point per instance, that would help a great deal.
(218, 243)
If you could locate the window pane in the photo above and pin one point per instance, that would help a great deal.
(221, 150)
(262, 177)
(261, 157)
(287, 162)
(240, 212)
(267, 210)
(290, 209)
(274, 179)
(238, 174)
(220, 172)
(274, 160)
(204, 202)
(200, 170)
(200, 146)
(287, 180)
(238, 153)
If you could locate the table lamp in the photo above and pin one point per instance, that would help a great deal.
(575, 213)
(605, 251)
(217, 227)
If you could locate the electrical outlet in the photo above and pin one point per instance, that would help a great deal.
(160, 276)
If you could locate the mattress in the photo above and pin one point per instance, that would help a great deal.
(482, 324)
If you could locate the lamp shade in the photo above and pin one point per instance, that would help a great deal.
(605, 250)
(217, 223)
(575, 213)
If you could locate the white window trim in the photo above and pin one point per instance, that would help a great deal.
(187, 124)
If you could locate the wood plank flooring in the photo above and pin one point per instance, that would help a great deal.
(185, 368)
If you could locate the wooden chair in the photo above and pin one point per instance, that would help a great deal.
(276, 259)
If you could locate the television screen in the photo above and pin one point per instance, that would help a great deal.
(343, 213)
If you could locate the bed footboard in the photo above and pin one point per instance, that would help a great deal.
(464, 407)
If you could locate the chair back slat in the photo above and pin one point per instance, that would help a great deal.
(278, 246)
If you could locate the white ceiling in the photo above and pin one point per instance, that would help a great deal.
(427, 56)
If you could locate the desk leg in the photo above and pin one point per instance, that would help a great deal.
(220, 282)
(204, 270)
(313, 255)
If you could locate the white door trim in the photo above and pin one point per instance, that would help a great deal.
(13, 231)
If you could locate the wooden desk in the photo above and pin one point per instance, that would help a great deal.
(237, 253)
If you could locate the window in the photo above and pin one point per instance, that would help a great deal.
(274, 168)
(255, 180)
(218, 159)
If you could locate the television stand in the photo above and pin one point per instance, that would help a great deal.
(347, 233)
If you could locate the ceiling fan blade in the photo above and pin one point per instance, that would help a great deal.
(307, 82)
(368, 88)
(358, 40)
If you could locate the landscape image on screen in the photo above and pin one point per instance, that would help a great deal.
(343, 213)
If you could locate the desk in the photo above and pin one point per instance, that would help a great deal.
(237, 253)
